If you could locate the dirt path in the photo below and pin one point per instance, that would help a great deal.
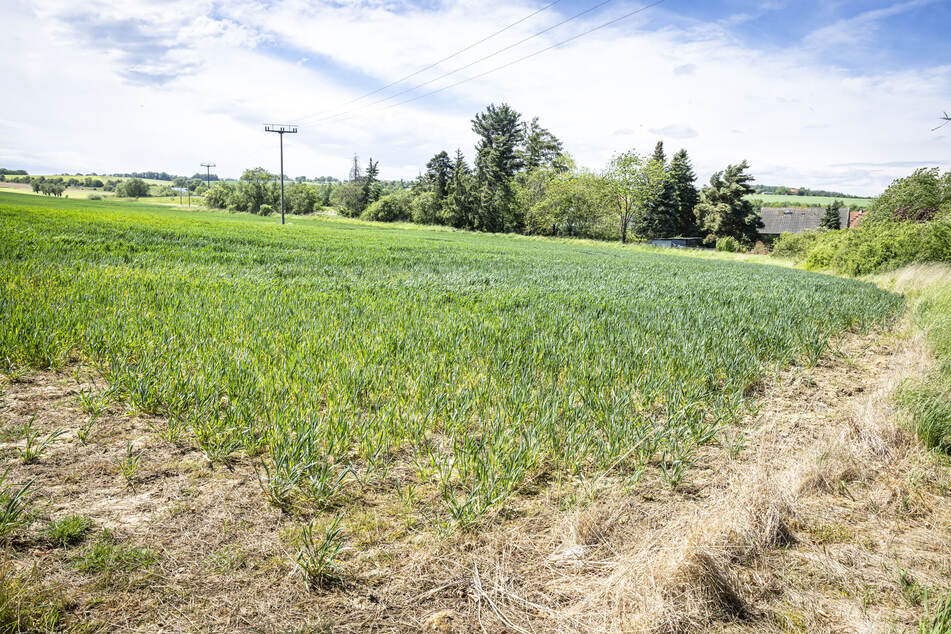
(819, 514)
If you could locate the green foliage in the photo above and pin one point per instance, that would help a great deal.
(132, 188)
(33, 447)
(438, 174)
(14, 503)
(728, 244)
(317, 555)
(497, 160)
(541, 148)
(339, 351)
(928, 401)
(937, 621)
(633, 184)
(108, 557)
(682, 179)
(831, 218)
(129, 462)
(300, 198)
(392, 207)
(256, 188)
(725, 210)
(872, 247)
(459, 207)
(348, 199)
(370, 188)
(425, 208)
(27, 607)
(565, 202)
(218, 196)
(924, 194)
(69, 530)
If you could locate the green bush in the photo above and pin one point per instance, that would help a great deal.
(395, 206)
(728, 244)
(265, 210)
(95, 197)
(425, 209)
(872, 247)
(795, 245)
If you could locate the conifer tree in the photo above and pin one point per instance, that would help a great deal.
(831, 218)
(457, 208)
(497, 161)
(370, 186)
(438, 173)
(682, 179)
(725, 211)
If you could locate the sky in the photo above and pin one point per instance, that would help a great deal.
(834, 94)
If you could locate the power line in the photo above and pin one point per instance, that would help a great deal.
(449, 57)
(516, 61)
(462, 68)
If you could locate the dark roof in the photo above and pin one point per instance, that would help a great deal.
(797, 220)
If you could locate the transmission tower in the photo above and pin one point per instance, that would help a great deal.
(281, 130)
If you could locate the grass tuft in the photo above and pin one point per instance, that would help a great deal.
(69, 530)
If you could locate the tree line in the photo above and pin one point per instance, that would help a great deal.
(522, 181)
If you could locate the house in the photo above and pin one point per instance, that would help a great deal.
(777, 220)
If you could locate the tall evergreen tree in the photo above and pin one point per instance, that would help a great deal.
(370, 186)
(682, 179)
(497, 161)
(659, 155)
(725, 211)
(658, 218)
(542, 148)
(831, 218)
(438, 173)
(457, 208)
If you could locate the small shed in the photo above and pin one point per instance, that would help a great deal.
(678, 243)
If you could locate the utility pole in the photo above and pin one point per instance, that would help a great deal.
(281, 130)
(208, 167)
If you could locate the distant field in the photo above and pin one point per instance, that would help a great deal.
(22, 188)
(338, 353)
(809, 201)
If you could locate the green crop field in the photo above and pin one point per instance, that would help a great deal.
(448, 368)
(810, 201)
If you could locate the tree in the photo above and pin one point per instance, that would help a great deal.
(831, 218)
(300, 198)
(370, 188)
(724, 209)
(355, 172)
(256, 187)
(682, 179)
(458, 206)
(347, 198)
(497, 161)
(438, 173)
(924, 193)
(541, 148)
(132, 188)
(218, 197)
(659, 218)
(632, 184)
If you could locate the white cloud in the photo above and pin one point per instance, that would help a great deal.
(180, 95)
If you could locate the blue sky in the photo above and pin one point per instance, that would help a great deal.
(839, 94)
